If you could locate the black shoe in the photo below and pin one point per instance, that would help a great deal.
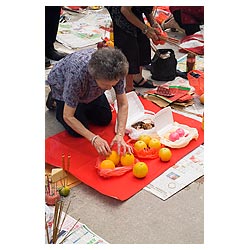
(50, 103)
(47, 62)
(54, 54)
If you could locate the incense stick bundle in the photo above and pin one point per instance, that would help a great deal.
(57, 224)
(174, 42)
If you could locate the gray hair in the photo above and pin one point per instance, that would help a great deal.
(108, 64)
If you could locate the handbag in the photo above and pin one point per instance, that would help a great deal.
(163, 65)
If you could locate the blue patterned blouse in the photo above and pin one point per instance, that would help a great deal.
(71, 82)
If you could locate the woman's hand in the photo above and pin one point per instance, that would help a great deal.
(101, 146)
(151, 33)
(122, 146)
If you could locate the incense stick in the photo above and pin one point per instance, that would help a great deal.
(54, 223)
(58, 222)
(65, 214)
(46, 228)
(48, 184)
(168, 40)
(68, 233)
(63, 166)
(68, 166)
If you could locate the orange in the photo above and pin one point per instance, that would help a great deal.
(110, 44)
(202, 98)
(140, 169)
(139, 145)
(145, 138)
(165, 154)
(107, 164)
(127, 159)
(154, 143)
(114, 157)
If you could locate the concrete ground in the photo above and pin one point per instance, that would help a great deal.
(144, 218)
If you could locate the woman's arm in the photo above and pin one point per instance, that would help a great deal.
(100, 144)
(122, 116)
(129, 15)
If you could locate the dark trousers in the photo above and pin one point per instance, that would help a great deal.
(52, 16)
(98, 112)
(136, 49)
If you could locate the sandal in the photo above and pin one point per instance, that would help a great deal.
(50, 103)
(147, 84)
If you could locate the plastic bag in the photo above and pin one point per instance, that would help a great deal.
(163, 65)
(149, 153)
(117, 171)
(190, 134)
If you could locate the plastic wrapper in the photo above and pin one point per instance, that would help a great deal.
(148, 153)
(117, 171)
(190, 134)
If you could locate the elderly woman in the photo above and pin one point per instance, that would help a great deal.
(78, 83)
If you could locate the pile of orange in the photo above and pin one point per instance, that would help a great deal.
(140, 169)
(114, 159)
(145, 141)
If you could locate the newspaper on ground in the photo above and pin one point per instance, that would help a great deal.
(80, 234)
(86, 31)
(184, 172)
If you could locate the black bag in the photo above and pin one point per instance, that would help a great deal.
(163, 65)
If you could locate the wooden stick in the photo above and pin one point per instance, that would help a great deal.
(68, 162)
(68, 233)
(54, 223)
(63, 161)
(65, 214)
(166, 39)
(58, 221)
(155, 49)
(48, 185)
(68, 166)
(63, 166)
(46, 228)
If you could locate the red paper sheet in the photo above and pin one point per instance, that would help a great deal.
(84, 157)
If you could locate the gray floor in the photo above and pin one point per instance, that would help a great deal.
(143, 218)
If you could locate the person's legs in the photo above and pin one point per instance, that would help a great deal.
(52, 16)
(144, 51)
(189, 29)
(128, 45)
(98, 112)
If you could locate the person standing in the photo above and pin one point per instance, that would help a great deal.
(52, 17)
(185, 18)
(132, 35)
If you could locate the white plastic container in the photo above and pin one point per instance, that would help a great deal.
(136, 112)
(165, 124)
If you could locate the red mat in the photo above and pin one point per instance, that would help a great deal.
(83, 158)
